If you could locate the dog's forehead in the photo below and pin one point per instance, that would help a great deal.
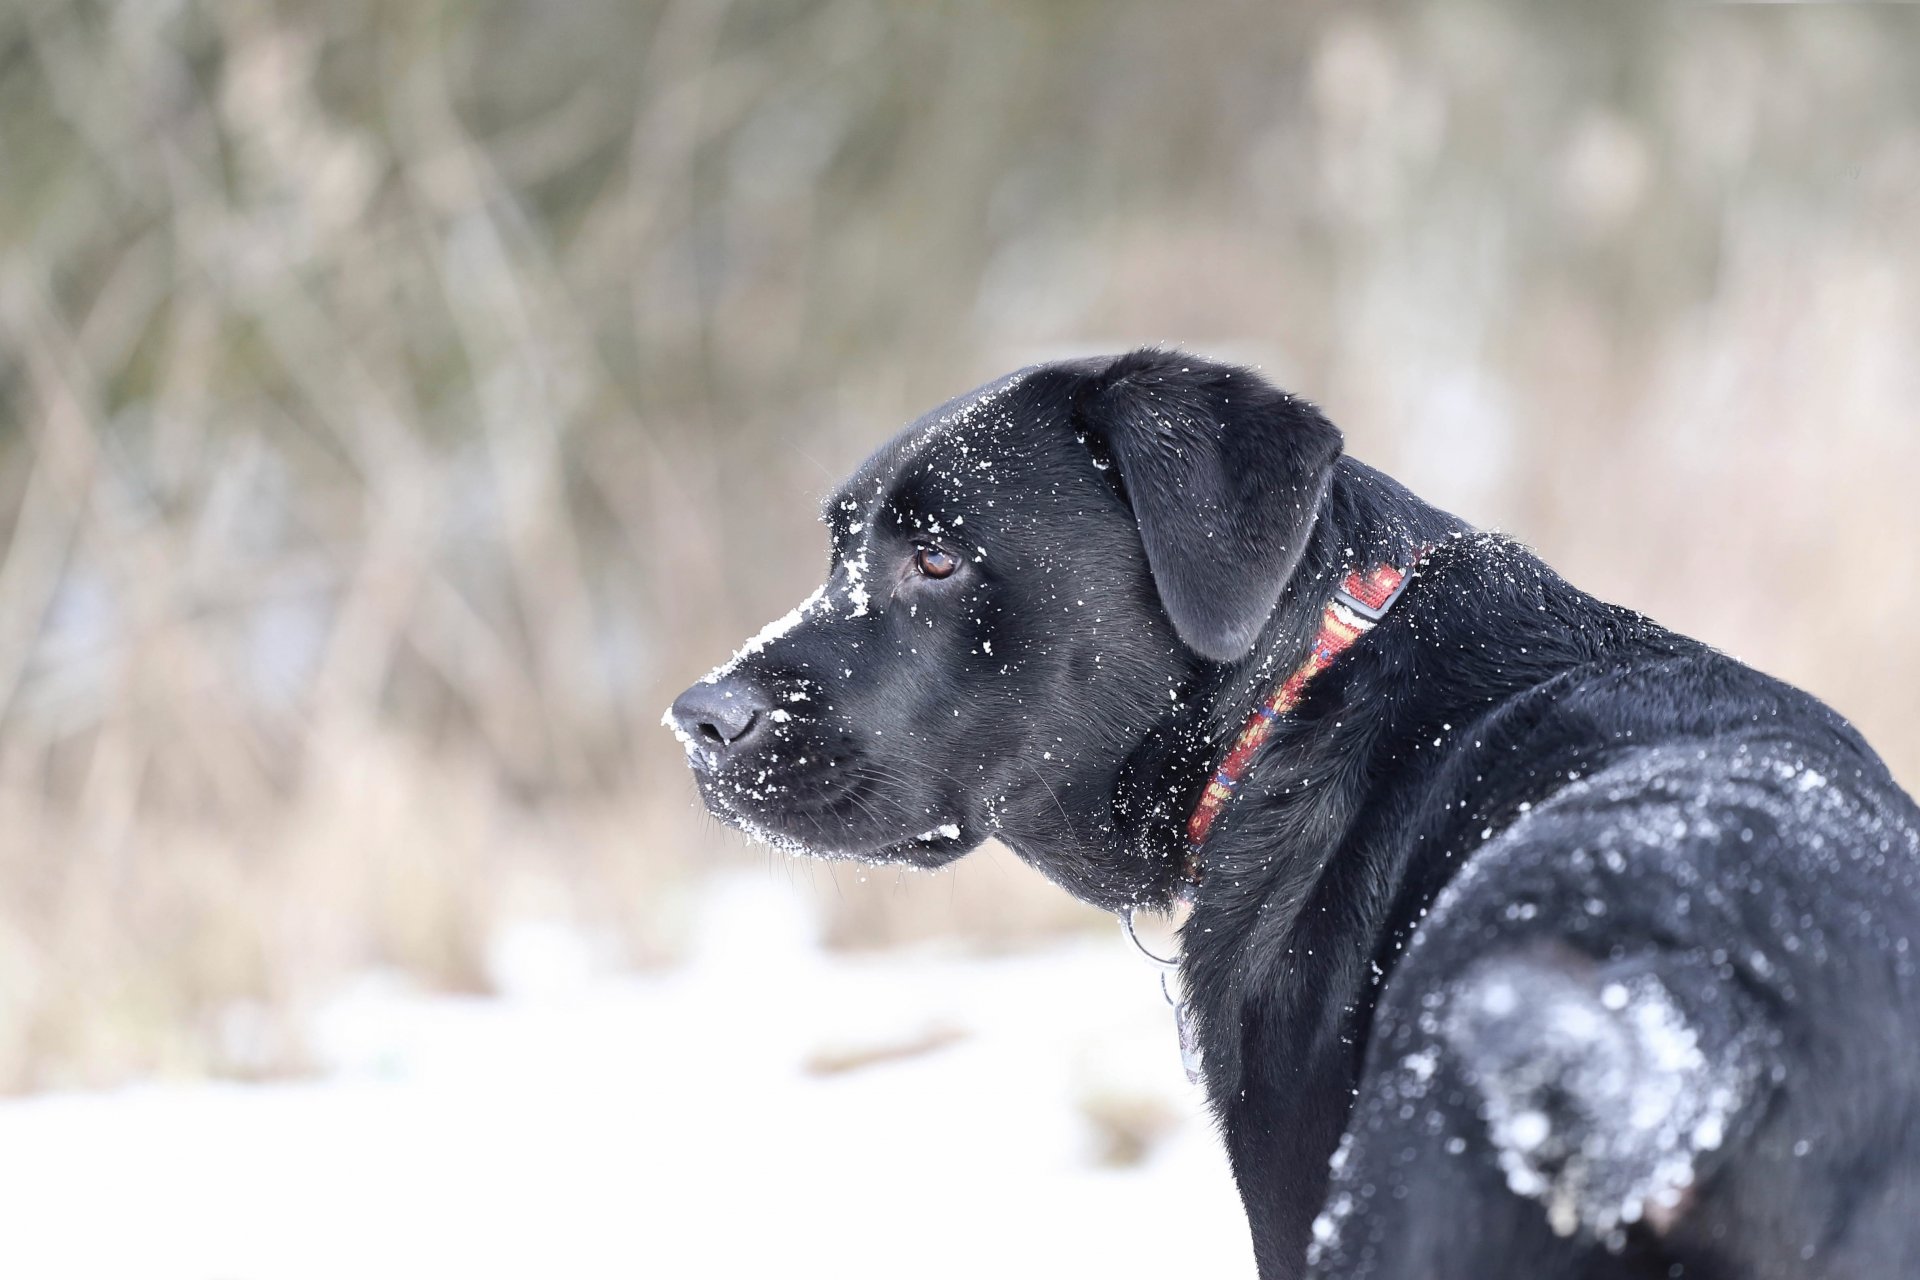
(940, 466)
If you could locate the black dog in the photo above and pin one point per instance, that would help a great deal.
(1532, 940)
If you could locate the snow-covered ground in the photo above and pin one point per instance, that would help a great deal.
(767, 1109)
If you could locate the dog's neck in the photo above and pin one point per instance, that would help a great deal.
(1367, 520)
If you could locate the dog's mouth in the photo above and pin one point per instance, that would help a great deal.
(845, 830)
(935, 848)
(808, 785)
(927, 850)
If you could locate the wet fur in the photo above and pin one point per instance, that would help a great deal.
(1507, 777)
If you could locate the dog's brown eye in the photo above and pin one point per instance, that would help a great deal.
(934, 563)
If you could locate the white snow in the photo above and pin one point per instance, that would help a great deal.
(764, 637)
(858, 597)
(1649, 1100)
(767, 1109)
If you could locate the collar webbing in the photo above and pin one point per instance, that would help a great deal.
(1357, 606)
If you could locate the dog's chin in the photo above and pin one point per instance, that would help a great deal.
(929, 849)
(820, 836)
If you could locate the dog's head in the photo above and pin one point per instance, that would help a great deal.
(1025, 585)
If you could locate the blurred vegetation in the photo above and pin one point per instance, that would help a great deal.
(399, 401)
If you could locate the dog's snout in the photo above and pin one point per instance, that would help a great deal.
(722, 716)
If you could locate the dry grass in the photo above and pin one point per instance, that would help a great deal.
(398, 401)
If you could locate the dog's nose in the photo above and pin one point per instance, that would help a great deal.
(722, 716)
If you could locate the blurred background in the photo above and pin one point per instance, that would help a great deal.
(399, 402)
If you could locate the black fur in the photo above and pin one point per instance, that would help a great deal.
(1538, 941)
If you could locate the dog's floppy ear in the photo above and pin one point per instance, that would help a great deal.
(1225, 474)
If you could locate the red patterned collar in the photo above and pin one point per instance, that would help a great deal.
(1357, 606)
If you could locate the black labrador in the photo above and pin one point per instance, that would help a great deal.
(1527, 937)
